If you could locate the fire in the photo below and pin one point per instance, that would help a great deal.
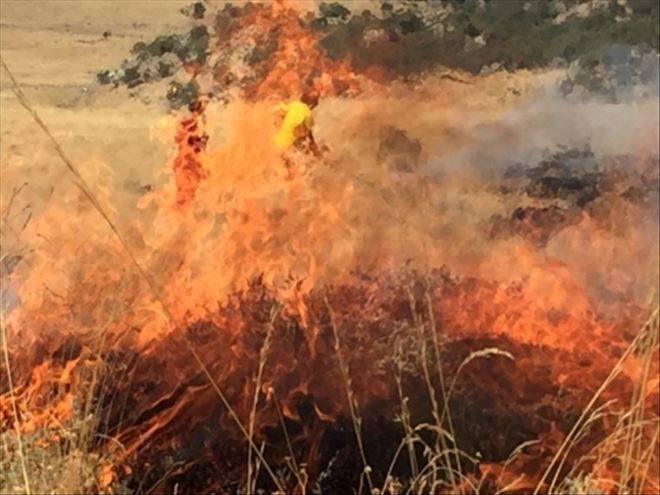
(264, 270)
(191, 141)
(288, 55)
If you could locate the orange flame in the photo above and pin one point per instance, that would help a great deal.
(258, 238)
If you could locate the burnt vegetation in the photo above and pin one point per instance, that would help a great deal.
(497, 403)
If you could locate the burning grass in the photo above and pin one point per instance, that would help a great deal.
(408, 313)
(410, 398)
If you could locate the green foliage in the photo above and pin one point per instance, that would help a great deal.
(334, 9)
(190, 47)
(160, 58)
(512, 33)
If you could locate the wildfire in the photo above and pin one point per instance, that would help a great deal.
(272, 275)
(286, 54)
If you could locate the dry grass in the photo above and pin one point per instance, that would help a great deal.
(59, 459)
(63, 466)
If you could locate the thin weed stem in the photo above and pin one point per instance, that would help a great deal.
(263, 356)
(349, 394)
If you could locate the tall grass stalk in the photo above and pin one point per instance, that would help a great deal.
(352, 405)
(263, 356)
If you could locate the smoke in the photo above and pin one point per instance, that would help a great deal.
(546, 122)
(615, 262)
(318, 222)
(471, 133)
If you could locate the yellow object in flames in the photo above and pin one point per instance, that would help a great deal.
(297, 115)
